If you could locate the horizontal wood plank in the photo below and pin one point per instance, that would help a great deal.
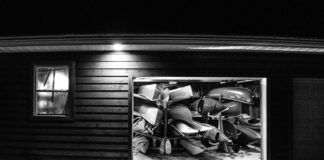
(102, 102)
(65, 131)
(76, 124)
(11, 156)
(111, 57)
(101, 94)
(67, 146)
(144, 57)
(57, 152)
(90, 65)
(64, 138)
(120, 72)
(102, 117)
(221, 70)
(102, 87)
(83, 109)
(178, 65)
(178, 57)
(101, 80)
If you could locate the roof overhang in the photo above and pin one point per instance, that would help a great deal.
(85, 43)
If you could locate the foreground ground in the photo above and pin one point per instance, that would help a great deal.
(243, 154)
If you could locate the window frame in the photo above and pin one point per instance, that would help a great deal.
(71, 91)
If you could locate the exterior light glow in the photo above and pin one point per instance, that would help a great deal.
(117, 47)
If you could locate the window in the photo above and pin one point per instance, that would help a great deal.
(53, 91)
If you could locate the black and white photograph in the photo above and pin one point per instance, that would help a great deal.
(203, 80)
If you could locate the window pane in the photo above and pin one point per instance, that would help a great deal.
(44, 78)
(51, 103)
(61, 78)
(46, 75)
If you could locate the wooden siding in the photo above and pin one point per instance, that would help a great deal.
(101, 129)
(308, 118)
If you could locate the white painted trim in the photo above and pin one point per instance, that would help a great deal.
(264, 123)
(200, 79)
(159, 47)
(194, 43)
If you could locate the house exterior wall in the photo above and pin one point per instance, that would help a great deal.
(308, 118)
(101, 126)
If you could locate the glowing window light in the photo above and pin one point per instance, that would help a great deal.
(52, 87)
(61, 81)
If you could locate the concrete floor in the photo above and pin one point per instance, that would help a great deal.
(243, 154)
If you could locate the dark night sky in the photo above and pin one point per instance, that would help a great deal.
(285, 19)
